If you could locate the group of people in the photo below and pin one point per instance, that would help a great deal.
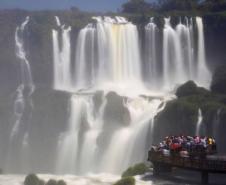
(187, 145)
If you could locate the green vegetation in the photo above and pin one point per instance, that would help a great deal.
(51, 182)
(126, 181)
(189, 89)
(136, 6)
(191, 7)
(32, 179)
(61, 182)
(137, 169)
(181, 115)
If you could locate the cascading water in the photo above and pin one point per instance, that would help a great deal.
(151, 62)
(203, 73)
(216, 127)
(199, 123)
(117, 59)
(18, 141)
(82, 134)
(110, 133)
(86, 128)
(108, 58)
(61, 56)
(85, 58)
(177, 53)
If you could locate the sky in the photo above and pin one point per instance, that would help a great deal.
(88, 5)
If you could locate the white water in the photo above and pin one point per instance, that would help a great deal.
(108, 56)
(17, 152)
(85, 63)
(86, 128)
(61, 56)
(177, 53)
(199, 123)
(81, 122)
(152, 69)
(26, 77)
(91, 179)
(203, 73)
(117, 59)
(216, 125)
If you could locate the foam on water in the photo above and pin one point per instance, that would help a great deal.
(91, 179)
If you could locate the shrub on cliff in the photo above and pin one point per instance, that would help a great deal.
(32, 179)
(137, 169)
(136, 6)
(189, 89)
(41, 182)
(126, 181)
(218, 84)
(61, 182)
(51, 182)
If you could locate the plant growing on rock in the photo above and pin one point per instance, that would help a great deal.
(137, 169)
(32, 179)
(126, 181)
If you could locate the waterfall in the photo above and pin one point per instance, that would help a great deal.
(95, 147)
(113, 102)
(108, 58)
(85, 63)
(26, 77)
(68, 155)
(116, 62)
(177, 53)
(203, 73)
(61, 56)
(151, 67)
(18, 139)
(216, 125)
(57, 21)
(199, 123)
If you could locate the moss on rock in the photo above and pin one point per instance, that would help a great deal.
(61, 182)
(137, 169)
(126, 181)
(51, 182)
(32, 179)
(189, 89)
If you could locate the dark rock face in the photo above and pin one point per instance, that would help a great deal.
(215, 26)
(115, 111)
(49, 118)
(178, 117)
(219, 80)
(187, 89)
(116, 115)
(98, 101)
(191, 89)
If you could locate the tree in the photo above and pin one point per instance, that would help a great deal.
(136, 6)
(168, 5)
(214, 5)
